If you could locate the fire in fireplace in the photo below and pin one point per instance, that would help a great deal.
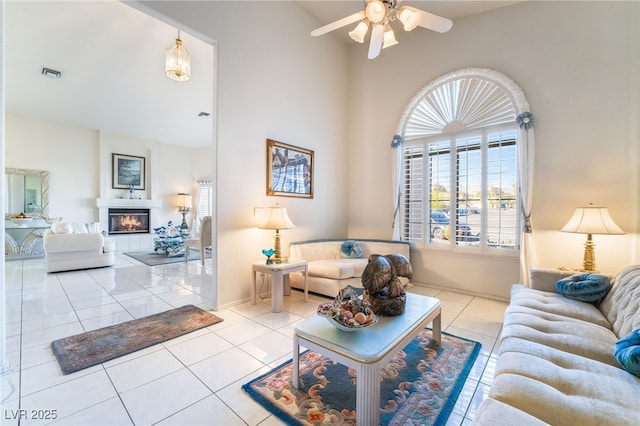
(128, 221)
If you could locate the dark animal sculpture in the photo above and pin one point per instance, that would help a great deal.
(382, 284)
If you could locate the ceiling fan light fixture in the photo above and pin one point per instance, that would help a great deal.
(376, 11)
(409, 18)
(178, 62)
(389, 38)
(360, 31)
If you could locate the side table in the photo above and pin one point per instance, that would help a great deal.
(279, 273)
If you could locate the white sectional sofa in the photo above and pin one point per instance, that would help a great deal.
(330, 271)
(556, 362)
(70, 251)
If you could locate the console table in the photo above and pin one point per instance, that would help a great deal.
(367, 350)
(279, 273)
(24, 240)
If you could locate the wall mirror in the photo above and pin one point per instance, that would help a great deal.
(26, 191)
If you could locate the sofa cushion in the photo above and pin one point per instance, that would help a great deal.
(63, 243)
(350, 249)
(621, 306)
(562, 333)
(560, 388)
(554, 303)
(337, 268)
(627, 352)
(62, 228)
(584, 287)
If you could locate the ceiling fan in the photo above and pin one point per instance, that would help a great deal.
(379, 14)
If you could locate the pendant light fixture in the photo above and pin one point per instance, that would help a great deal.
(178, 62)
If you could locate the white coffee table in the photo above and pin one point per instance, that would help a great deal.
(369, 349)
(279, 273)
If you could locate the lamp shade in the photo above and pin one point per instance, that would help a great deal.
(359, 32)
(276, 218)
(408, 17)
(389, 37)
(178, 62)
(592, 220)
(183, 201)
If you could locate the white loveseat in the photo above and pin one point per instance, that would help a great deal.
(329, 271)
(70, 251)
(556, 362)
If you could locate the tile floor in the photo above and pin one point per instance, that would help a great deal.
(192, 380)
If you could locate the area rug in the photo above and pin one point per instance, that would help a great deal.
(152, 259)
(95, 347)
(419, 386)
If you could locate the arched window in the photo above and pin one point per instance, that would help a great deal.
(463, 164)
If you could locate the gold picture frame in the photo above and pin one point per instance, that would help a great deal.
(289, 170)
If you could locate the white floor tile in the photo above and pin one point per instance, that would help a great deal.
(157, 400)
(70, 397)
(243, 331)
(209, 411)
(225, 368)
(199, 348)
(139, 371)
(269, 347)
(110, 412)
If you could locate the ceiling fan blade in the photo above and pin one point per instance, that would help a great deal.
(377, 37)
(338, 24)
(431, 21)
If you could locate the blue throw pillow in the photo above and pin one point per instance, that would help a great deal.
(584, 287)
(350, 249)
(627, 352)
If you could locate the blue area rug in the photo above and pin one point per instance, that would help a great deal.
(419, 386)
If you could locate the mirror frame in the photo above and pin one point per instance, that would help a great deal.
(44, 177)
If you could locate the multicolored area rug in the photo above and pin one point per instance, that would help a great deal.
(95, 347)
(419, 386)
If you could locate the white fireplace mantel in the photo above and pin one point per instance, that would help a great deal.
(105, 203)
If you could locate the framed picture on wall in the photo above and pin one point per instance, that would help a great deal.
(128, 170)
(289, 170)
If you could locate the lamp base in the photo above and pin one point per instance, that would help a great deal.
(277, 256)
(184, 225)
(589, 260)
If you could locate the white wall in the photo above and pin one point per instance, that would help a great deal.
(274, 81)
(578, 64)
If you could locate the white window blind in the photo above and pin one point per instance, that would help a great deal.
(465, 194)
(204, 203)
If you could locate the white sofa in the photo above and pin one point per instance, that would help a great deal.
(329, 271)
(70, 251)
(556, 362)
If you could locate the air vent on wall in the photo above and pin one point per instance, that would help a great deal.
(48, 72)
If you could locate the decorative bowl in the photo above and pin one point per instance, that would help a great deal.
(22, 220)
(348, 312)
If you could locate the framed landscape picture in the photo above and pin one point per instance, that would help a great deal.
(128, 170)
(289, 170)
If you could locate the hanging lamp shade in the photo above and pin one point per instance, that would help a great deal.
(178, 62)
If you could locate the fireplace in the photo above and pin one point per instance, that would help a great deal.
(128, 221)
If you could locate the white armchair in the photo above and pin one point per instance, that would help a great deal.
(202, 243)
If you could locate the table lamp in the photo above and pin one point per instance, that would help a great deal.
(184, 206)
(276, 218)
(591, 220)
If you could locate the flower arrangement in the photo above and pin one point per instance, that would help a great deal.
(168, 231)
